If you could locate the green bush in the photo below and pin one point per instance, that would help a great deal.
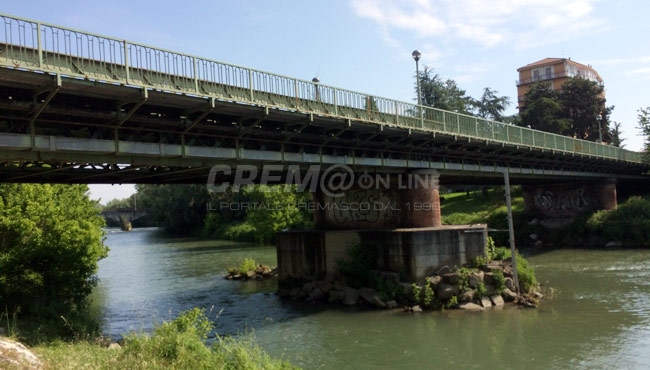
(525, 273)
(243, 232)
(500, 254)
(247, 265)
(279, 209)
(388, 289)
(427, 296)
(628, 224)
(356, 268)
(453, 302)
(416, 293)
(500, 281)
(180, 344)
(52, 240)
(481, 290)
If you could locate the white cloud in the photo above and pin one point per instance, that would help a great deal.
(619, 61)
(643, 73)
(522, 23)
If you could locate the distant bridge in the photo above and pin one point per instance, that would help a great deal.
(121, 215)
(82, 108)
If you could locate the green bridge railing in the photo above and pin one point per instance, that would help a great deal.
(38, 46)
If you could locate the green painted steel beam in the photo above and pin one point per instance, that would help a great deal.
(225, 81)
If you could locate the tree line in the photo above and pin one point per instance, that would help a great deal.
(250, 213)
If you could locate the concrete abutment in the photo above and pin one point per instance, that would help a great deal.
(412, 253)
(400, 219)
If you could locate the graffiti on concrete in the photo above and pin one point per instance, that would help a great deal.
(572, 199)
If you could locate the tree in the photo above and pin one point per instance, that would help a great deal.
(582, 102)
(644, 125)
(119, 203)
(615, 135)
(178, 209)
(572, 111)
(543, 111)
(276, 208)
(491, 106)
(371, 107)
(443, 95)
(52, 240)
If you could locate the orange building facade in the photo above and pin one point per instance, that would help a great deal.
(555, 70)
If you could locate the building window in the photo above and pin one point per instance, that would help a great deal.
(541, 74)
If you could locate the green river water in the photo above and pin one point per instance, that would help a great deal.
(599, 317)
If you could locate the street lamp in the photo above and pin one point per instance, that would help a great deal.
(600, 131)
(316, 80)
(416, 56)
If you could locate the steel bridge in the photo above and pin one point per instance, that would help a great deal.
(77, 107)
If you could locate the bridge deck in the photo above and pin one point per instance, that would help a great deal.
(75, 105)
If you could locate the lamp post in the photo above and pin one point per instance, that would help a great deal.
(416, 54)
(316, 80)
(600, 131)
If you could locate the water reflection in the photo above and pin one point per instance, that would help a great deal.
(599, 319)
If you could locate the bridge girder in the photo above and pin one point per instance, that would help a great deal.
(93, 110)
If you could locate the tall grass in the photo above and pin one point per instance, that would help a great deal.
(178, 344)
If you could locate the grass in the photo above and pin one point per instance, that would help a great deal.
(158, 353)
(478, 207)
(177, 344)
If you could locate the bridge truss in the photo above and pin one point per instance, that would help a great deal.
(82, 108)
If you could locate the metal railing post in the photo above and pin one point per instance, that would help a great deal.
(396, 113)
(40, 45)
(421, 116)
(126, 61)
(250, 83)
(196, 75)
(444, 121)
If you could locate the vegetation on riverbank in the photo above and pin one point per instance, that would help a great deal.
(247, 214)
(177, 344)
(51, 243)
(628, 224)
(487, 206)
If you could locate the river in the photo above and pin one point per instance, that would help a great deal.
(599, 317)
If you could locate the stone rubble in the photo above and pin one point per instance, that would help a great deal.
(471, 290)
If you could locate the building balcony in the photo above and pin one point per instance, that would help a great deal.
(544, 77)
(554, 76)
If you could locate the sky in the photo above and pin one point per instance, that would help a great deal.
(366, 45)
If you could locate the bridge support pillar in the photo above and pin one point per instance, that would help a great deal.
(398, 218)
(559, 204)
(409, 200)
(422, 200)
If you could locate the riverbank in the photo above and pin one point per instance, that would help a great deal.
(178, 344)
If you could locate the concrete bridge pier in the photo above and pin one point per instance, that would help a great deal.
(559, 204)
(399, 216)
(422, 199)
(409, 200)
